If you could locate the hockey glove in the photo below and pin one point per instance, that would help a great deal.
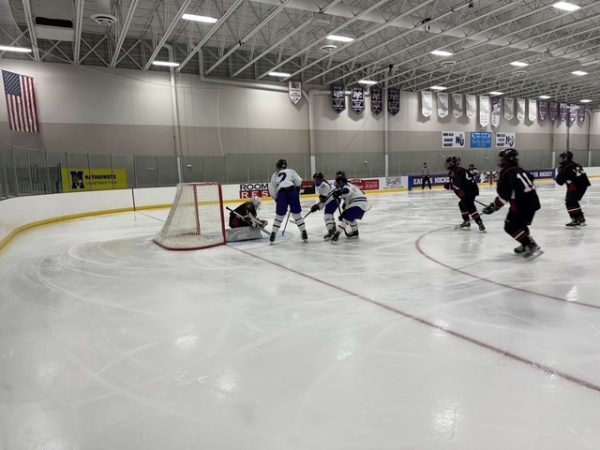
(314, 208)
(337, 193)
(491, 208)
(447, 186)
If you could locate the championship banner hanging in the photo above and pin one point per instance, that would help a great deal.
(509, 108)
(563, 111)
(338, 97)
(520, 108)
(572, 114)
(471, 106)
(581, 114)
(484, 110)
(393, 101)
(457, 105)
(496, 110)
(295, 91)
(358, 99)
(376, 100)
(542, 109)
(532, 109)
(442, 99)
(553, 111)
(426, 103)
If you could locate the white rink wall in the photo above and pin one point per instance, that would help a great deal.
(23, 212)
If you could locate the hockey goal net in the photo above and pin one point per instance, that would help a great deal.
(196, 219)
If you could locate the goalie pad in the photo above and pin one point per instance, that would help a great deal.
(243, 234)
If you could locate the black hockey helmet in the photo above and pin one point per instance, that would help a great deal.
(318, 176)
(566, 157)
(340, 178)
(452, 162)
(281, 164)
(508, 157)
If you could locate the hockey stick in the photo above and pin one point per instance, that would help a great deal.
(251, 218)
(286, 222)
(482, 204)
(303, 217)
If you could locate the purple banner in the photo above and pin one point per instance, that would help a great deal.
(581, 113)
(358, 99)
(338, 97)
(542, 109)
(553, 111)
(563, 112)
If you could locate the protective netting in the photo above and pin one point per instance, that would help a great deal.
(196, 218)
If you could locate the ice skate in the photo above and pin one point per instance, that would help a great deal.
(304, 236)
(352, 235)
(573, 223)
(329, 234)
(335, 236)
(481, 227)
(532, 251)
(520, 249)
(272, 237)
(466, 225)
(582, 222)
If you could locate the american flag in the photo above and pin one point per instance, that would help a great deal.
(20, 102)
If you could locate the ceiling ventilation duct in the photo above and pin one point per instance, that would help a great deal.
(53, 20)
(104, 16)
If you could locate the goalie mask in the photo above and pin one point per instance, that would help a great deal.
(281, 164)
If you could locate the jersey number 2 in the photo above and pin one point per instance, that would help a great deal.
(282, 175)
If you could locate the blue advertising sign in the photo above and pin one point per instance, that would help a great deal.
(436, 180)
(481, 139)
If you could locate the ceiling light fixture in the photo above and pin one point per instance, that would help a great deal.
(439, 88)
(335, 37)
(441, 53)
(519, 64)
(579, 73)
(496, 93)
(7, 48)
(566, 6)
(165, 63)
(203, 19)
(367, 82)
(544, 97)
(279, 74)
(585, 100)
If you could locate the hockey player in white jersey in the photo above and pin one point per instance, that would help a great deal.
(285, 189)
(355, 206)
(327, 202)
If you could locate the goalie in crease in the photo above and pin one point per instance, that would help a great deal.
(246, 215)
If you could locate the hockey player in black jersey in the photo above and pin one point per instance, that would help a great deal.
(246, 215)
(466, 189)
(572, 174)
(515, 186)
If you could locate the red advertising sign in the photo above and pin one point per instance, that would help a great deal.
(366, 185)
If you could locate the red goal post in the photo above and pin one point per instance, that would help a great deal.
(196, 219)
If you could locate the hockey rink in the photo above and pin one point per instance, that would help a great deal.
(417, 336)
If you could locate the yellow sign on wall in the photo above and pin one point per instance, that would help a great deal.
(76, 179)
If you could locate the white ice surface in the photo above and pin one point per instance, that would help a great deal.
(417, 336)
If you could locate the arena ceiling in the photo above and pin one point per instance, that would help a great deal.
(392, 41)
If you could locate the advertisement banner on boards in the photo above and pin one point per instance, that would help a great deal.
(76, 179)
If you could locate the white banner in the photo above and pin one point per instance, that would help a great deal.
(457, 105)
(442, 99)
(453, 139)
(532, 109)
(506, 140)
(520, 108)
(471, 106)
(295, 91)
(496, 110)
(484, 110)
(509, 108)
(426, 103)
